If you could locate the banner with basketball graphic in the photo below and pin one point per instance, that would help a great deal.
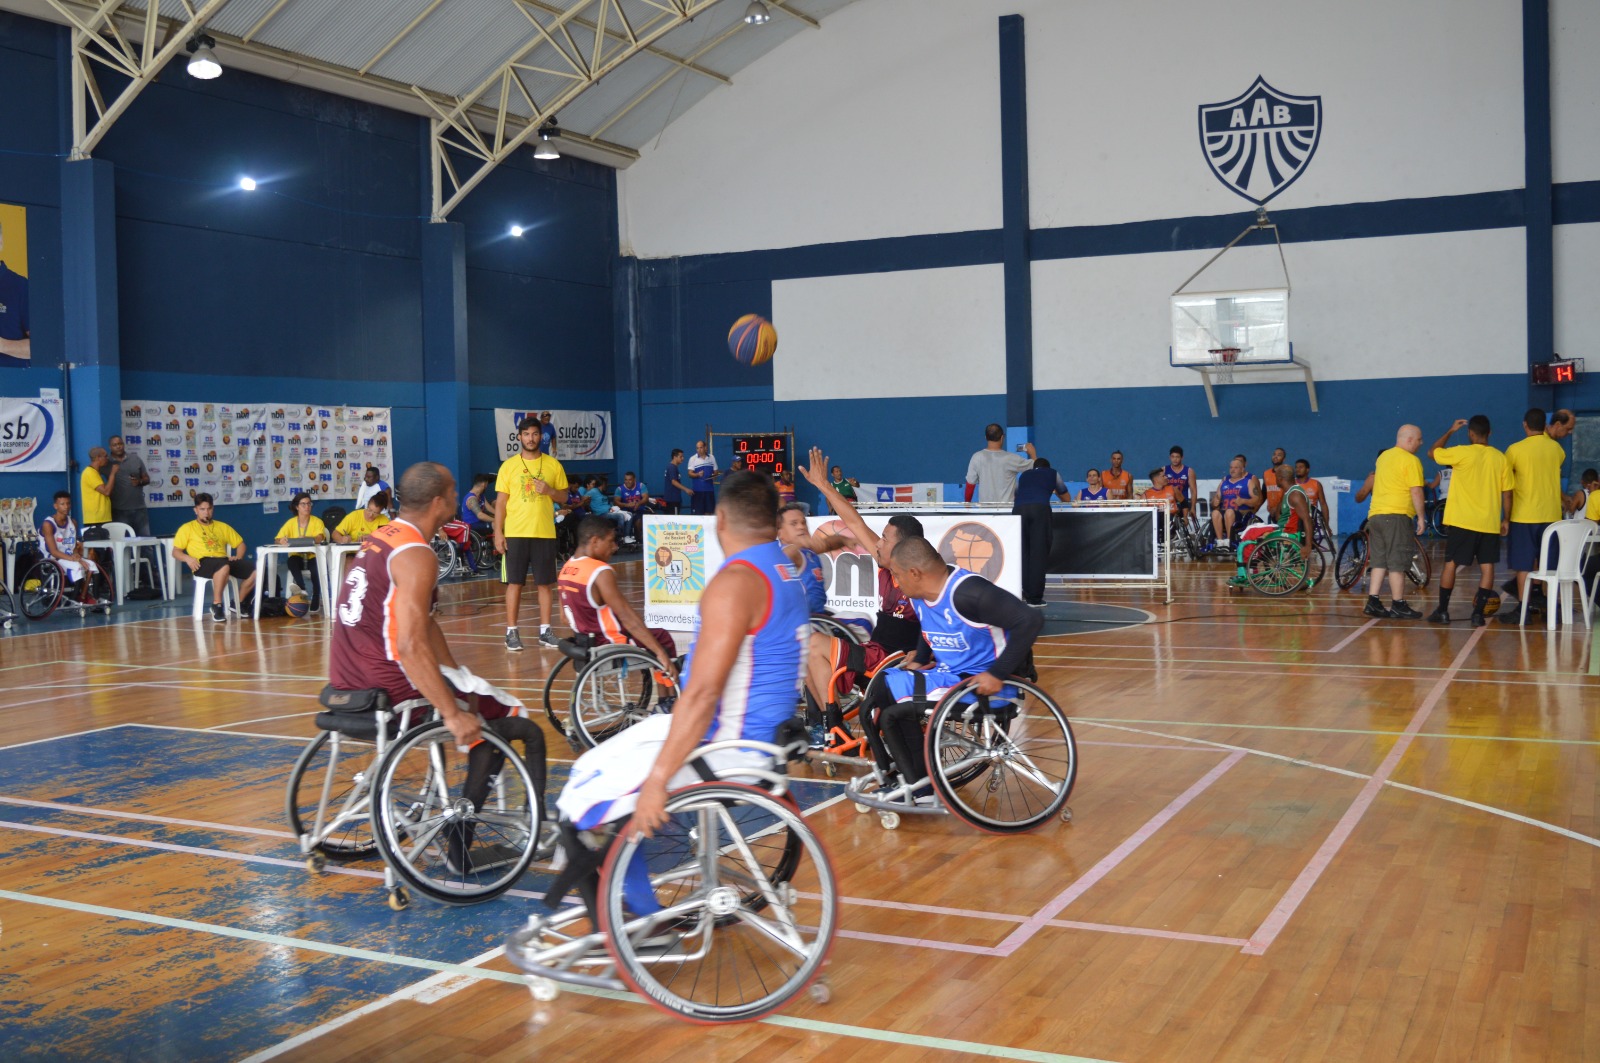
(680, 556)
(32, 436)
(580, 435)
(264, 452)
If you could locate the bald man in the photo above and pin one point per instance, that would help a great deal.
(1393, 523)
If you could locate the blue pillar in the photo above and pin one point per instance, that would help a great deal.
(1538, 179)
(1015, 233)
(89, 305)
(627, 408)
(444, 347)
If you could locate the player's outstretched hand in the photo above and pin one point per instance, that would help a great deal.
(817, 472)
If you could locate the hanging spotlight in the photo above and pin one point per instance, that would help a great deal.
(543, 148)
(757, 14)
(202, 63)
(516, 230)
(247, 183)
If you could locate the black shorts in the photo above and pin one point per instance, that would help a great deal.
(1471, 547)
(243, 568)
(526, 554)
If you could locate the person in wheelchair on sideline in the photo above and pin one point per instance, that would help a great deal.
(970, 628)
(385, 637)
(593, 603)
(58, 539)
(741, 681)
(1293, 517)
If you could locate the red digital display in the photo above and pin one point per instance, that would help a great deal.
(767, 452)
(1564, 371)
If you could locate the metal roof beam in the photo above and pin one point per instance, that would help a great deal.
(662, 81)
(798, 16)
(631, 37)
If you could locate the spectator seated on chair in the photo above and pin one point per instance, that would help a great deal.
(58, 539)
(303, 567)
(212, 550)
(363, 522)
(634, 500)
(600, 505)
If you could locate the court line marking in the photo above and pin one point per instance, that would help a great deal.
(1289, 903)
(263, 719)
(40, 701)
(1106, 721)
(1020, 936)
(113, 813)
(58, 738)
(1493, 678)
(485, 974)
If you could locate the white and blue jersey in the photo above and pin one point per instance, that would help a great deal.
(810, 574)
(961, 647)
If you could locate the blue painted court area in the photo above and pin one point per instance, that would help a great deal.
(155, 993)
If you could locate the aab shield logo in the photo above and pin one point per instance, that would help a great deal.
(1258, 143)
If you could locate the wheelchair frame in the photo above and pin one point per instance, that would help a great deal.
(584, 658)
(1278, 551)
(36, 609)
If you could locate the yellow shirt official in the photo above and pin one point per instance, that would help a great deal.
(291, 530)
(1397, 473)
(1480, 474)
(356, 527)
(1592, 510)
(96, 506)
(1536, 479)
(529, 514)
(206, 540)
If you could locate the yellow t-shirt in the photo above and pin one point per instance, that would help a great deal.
(1535, 479)
(291, 530)
(1592, 511)
(357, 527)
(96, 506)
(206, 540)
(1397, 473)
(1480, 474)
(529, 514)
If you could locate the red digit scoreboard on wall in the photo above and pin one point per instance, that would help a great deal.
(1560, 371)
(768, 452)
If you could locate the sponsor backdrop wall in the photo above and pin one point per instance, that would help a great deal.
(1391, 154)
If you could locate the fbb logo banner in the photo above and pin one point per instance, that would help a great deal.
(31, 436)
(1259, 142)
(579, 435)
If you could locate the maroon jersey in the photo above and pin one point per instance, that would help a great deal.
(364, 633)
(897, 626)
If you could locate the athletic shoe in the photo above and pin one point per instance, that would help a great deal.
(482, 858)
(1511, 616)
(548, 638)
(1403, 611)
(1440, 615)
(513, 641)
(218, 614)
(819, 736)
(1509, 587)
(925, 801)
(1375, 609)
(1478, 619)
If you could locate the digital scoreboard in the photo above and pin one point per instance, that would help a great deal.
(768, 452)
(1561, 371)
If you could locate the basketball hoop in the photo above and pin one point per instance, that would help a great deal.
(1223, 359)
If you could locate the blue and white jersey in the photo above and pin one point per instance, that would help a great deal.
(764, 684)
(959, 645)
(810, 575)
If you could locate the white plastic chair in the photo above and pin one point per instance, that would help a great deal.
(1574, 537)
(202, 596)
(116, 529)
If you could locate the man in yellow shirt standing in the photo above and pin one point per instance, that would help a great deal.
(525, 527)
(1475, 513)
(95, 487)
(1393, 523)
(1536, 498)
(214, 551)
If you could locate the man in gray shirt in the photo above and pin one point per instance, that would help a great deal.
(127, 490)
(993, 470)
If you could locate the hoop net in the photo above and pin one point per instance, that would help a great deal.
(1223, 359)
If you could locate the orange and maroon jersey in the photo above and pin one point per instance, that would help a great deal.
(584, 614)
(1313, 490)
(363, 654)
(1117, 485)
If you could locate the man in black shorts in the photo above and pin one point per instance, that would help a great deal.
(1475, 514)
(525, 527)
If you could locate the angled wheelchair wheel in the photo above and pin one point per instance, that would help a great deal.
(828, 625)
(749, 905)
(333, 774)
(1002, 767)
(40, 589)
(614, 691)
(557, 706)
(456, 827)
(1421, 570)
(446, 553)
(1318, 570)
(1351, 564)
(1276, 567)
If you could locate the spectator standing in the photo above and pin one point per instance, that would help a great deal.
(672, 486)
(1034, 488)
(1474, 514)
(993, 470)
(127, 493)
(547, 433)
(525, 527)
(1396, 508)
(96, 484)
(1117, 481)
(371, 483)
(1536, 498)
(703, 480)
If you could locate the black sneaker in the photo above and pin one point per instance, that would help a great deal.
(513, 641)
(219, 614)
(1375, 608)
(1403, 611)
(548, 638)
(1509, 587)
(1440, 615)
(1511, 616)
(1478, 619)
(479, 859)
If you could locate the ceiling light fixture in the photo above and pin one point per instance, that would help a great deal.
(757, 14)
(247, 183)
(543, 148)
(516, 230)
(202, 63)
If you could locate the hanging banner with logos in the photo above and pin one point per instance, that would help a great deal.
(32, 435)
(681, 555)
(580, 435)
(255, 453)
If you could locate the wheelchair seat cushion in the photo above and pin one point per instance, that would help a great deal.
(354, 725)
(353, 702)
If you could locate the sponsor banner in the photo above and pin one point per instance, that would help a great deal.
(904, 494)
(681, 555)
(241, 453)
(32, 436)
(581, 435)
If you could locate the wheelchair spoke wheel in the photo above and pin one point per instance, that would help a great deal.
(748, 905)
(40, 589)
(553, 697)
(1004, 768)
(613, 692)
(1351, 563)
(8, 606)
(1276, 567)
(339, 770)
(444, 551)
(456, 827)
(1421, 570)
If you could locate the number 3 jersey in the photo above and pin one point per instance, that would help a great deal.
(363, 654)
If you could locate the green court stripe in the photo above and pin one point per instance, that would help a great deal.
(1335, 730)
(812, 1025)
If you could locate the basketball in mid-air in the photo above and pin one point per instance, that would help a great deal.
(752, 340)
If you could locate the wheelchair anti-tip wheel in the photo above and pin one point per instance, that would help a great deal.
(456, 827)
(1006, 767)
(614, 691)
(749, 905)
(337, 769)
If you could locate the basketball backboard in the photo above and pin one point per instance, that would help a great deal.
(1255, 320)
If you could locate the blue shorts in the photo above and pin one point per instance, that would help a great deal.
(1522, 547)
(901, 684)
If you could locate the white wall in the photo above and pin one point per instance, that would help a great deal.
(1577, 310)
(1575, 91)
(1446, 304)
(914, 333)
(882, 123)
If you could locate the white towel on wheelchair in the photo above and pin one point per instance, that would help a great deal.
(468, 684)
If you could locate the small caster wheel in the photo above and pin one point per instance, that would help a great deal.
(106, 609)
(861, 808)
(821, 992)
(1066, 814)
(399, 899)
(543, 989)
(316, 863)
(890, 820)
(829, 768)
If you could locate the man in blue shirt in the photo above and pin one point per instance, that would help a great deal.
(634, 500)
(703, 478)
(673, 488)
(16, 344)
(547, 432)
(1032, 504)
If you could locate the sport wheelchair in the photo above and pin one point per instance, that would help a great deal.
(44, 587)
(615, 685)
(1273, 562)
(1003, 764)
(748, 901)
(457, 827)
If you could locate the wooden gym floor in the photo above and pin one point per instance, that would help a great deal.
(1298, 835)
